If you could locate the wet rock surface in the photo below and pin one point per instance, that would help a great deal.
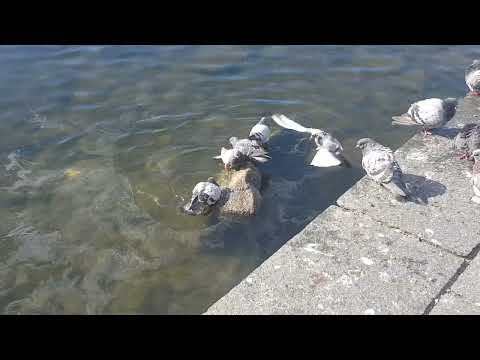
(241, 195)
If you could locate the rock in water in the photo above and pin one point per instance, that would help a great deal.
(241, 202)
(241, 192)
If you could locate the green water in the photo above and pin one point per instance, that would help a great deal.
(99, 145)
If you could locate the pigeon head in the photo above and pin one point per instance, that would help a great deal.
(318, 134)
(450, 107)
(204, 197)
(476, 155)
(228, 157)
(235, 160)
(324, 139)
(364, 143)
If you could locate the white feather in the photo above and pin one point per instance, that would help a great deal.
(324, 158)
(286, 123)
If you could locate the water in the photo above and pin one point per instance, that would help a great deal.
(100, 144)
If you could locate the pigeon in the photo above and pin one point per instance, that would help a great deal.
(204, 197)
(476, 176)
(380, 164)
(468, 140)
(329, 149)
(251, 149)
(472, 77)
(429, 114)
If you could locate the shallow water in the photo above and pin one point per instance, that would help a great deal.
(99, 145)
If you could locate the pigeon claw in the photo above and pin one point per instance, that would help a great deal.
(426, 133)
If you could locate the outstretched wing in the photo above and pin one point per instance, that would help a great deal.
(287, 123)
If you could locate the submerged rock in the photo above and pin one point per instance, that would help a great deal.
(244, 202)
(241, 194)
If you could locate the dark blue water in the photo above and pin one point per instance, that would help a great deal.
(100, 144)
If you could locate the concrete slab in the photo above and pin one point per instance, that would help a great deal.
(433, 172)
(344, 263)
(464, 295)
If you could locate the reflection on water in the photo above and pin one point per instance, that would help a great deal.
(99, 145)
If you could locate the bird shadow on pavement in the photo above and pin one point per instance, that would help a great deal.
(423, 188)
(448, 133)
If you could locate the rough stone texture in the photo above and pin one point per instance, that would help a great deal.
(245, 178)
(464, 295)
(344, 263)
(433, 172)
(242, 202)
(241, 196)
(375, 255)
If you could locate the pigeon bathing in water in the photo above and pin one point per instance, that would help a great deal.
(476, 176)
(251, 149)
(329, 149)
(204, 197)
(472, 77)
(468, 140)
(381, 166)
(429, 114)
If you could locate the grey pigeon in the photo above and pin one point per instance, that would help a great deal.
(380, 164)
(468, 140)
(204, 197)
(429, 114)
(251, 149)
(472, 77)
(476, 176)
(326, 141)
(329, 149)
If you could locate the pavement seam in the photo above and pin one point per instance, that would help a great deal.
(402, 231)
(463, 266)
(446, 288)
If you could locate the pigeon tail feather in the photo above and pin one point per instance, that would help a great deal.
(403, 120)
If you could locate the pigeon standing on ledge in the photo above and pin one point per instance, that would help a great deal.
(429, 114)
(381, 166)
(329, 149)
(251, 149)
(472, 77)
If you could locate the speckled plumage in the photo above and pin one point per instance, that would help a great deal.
(429, 113)
(468, 139)
(380, 165)
(472, 77)
(205, 195)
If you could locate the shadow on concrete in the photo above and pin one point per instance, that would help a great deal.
(423, 188)
(448, 133)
